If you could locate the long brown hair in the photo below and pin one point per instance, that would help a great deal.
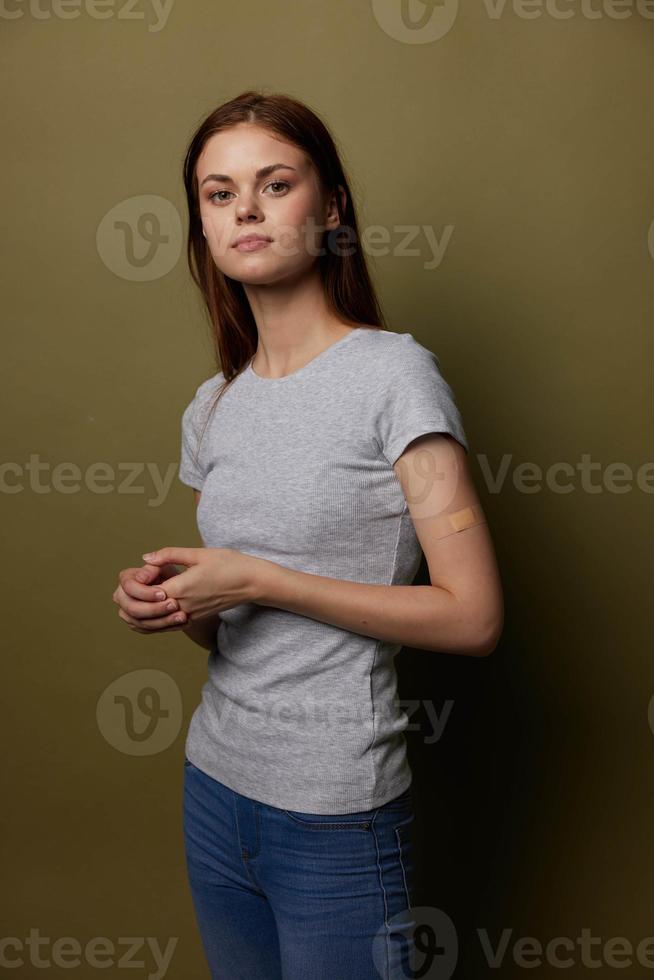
(348, 288)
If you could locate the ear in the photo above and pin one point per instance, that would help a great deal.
(333, 220)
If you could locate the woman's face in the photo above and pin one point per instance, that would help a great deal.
(283, 203)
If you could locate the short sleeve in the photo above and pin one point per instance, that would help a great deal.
(414, 399)
(191, 470)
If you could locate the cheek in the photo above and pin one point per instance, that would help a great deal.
(218, 231)
(298, 227)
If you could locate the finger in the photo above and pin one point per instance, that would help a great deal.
(147, 609)
(182, 556)
(152, 625)
(162, 625)
(177, 587)
(147, 573)
(155, 632)
(147, 593)
(168, 571)
(150, 610)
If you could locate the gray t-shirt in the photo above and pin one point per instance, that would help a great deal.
(297, 713)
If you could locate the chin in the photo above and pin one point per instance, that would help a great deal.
(259, 273)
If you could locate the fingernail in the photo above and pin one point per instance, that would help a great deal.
(171, 605)
(179, 619)
(160, 595)
(150, 554)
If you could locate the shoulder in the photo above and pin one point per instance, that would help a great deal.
(202, 398)
(407, 349)
(389, 355)
(210, 385)
(207, 388)
(392, 343)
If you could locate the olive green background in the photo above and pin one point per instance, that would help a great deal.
(532, 137)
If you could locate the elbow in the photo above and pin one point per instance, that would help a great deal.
(484, 647)
(489, 633)
(479, 625)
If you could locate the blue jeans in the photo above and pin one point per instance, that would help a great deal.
(284, 895)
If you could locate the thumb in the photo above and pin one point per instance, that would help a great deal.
(147, 573)
(180, 556)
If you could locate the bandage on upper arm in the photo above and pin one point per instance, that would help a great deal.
(455, 521)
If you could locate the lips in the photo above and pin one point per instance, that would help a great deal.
(248, 242)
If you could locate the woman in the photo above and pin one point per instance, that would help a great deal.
(324, 455)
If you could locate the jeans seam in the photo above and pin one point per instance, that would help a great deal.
(398, 836)
(381, 883)
(334, 825)
(243, 850)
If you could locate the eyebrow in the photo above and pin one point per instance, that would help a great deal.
(262, 172)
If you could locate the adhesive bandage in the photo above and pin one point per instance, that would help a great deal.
(459, 520)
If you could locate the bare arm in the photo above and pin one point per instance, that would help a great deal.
(460, 612)
(203, 631)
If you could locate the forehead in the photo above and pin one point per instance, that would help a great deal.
(242, 149)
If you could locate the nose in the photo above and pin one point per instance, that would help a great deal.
(248, 210)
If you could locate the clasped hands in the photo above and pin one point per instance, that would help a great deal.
(158, 597)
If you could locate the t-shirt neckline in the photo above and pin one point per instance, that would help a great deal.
(306, 367)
